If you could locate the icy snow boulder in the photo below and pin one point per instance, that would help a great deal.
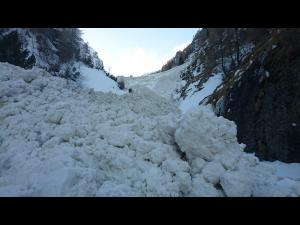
(55, 117)
(229, 158)
(175, 166)
(212, 172)
(28, 77)
(166, 128)
(197, 165)
(201, 188)
(118, 139)
(236, 184)
(202, 134)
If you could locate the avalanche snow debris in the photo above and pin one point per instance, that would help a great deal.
(200, 188)
(58, 139)
(202, 134)
(212, 172)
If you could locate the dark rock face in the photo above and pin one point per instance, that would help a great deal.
(260, 92)
(266, 109)
(11, 52)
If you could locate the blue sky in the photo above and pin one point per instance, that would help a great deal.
(136, 51)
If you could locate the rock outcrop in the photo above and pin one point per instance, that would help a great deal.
(260, 91)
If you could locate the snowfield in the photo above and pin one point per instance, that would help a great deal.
(194, 97)
(97, 80)
(163, 83)
(59, 139)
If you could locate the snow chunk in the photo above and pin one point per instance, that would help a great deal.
(201, 188)
(166, 128)
(212, 172)
(175, 166)
(236, 184)
(118, 139)
(202, 134)
(197, 165)
(55, 117)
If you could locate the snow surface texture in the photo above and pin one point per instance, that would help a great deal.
(194, 96)
(58, 139)
(97, 80)
(163, 83)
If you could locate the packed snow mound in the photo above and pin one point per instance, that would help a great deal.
(217, 160)
(59, 139)
(202, 134)
(97, 80)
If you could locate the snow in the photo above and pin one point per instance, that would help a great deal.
(267, 74)
(246, 49)
(206, 139)
(201, 188)
(97, 80)
(200, 134)
(163, 83)
(195, 97)
(286, 170)
(58, 138)
(212, 172)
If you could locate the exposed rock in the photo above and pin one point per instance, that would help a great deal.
(261, 83)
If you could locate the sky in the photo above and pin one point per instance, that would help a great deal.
(137, 51)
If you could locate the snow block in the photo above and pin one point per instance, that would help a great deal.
(202, 134)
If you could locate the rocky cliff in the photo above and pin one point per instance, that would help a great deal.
(57, 50)
(260, 86)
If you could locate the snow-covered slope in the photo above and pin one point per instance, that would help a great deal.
(163, 83)
(260, 84)
(58, 139)
(194, 96)
(167, 83)
(98, 80)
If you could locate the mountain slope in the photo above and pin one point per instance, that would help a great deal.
(57, 50)
(259, 88)
(98, 80)
(163, 83)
